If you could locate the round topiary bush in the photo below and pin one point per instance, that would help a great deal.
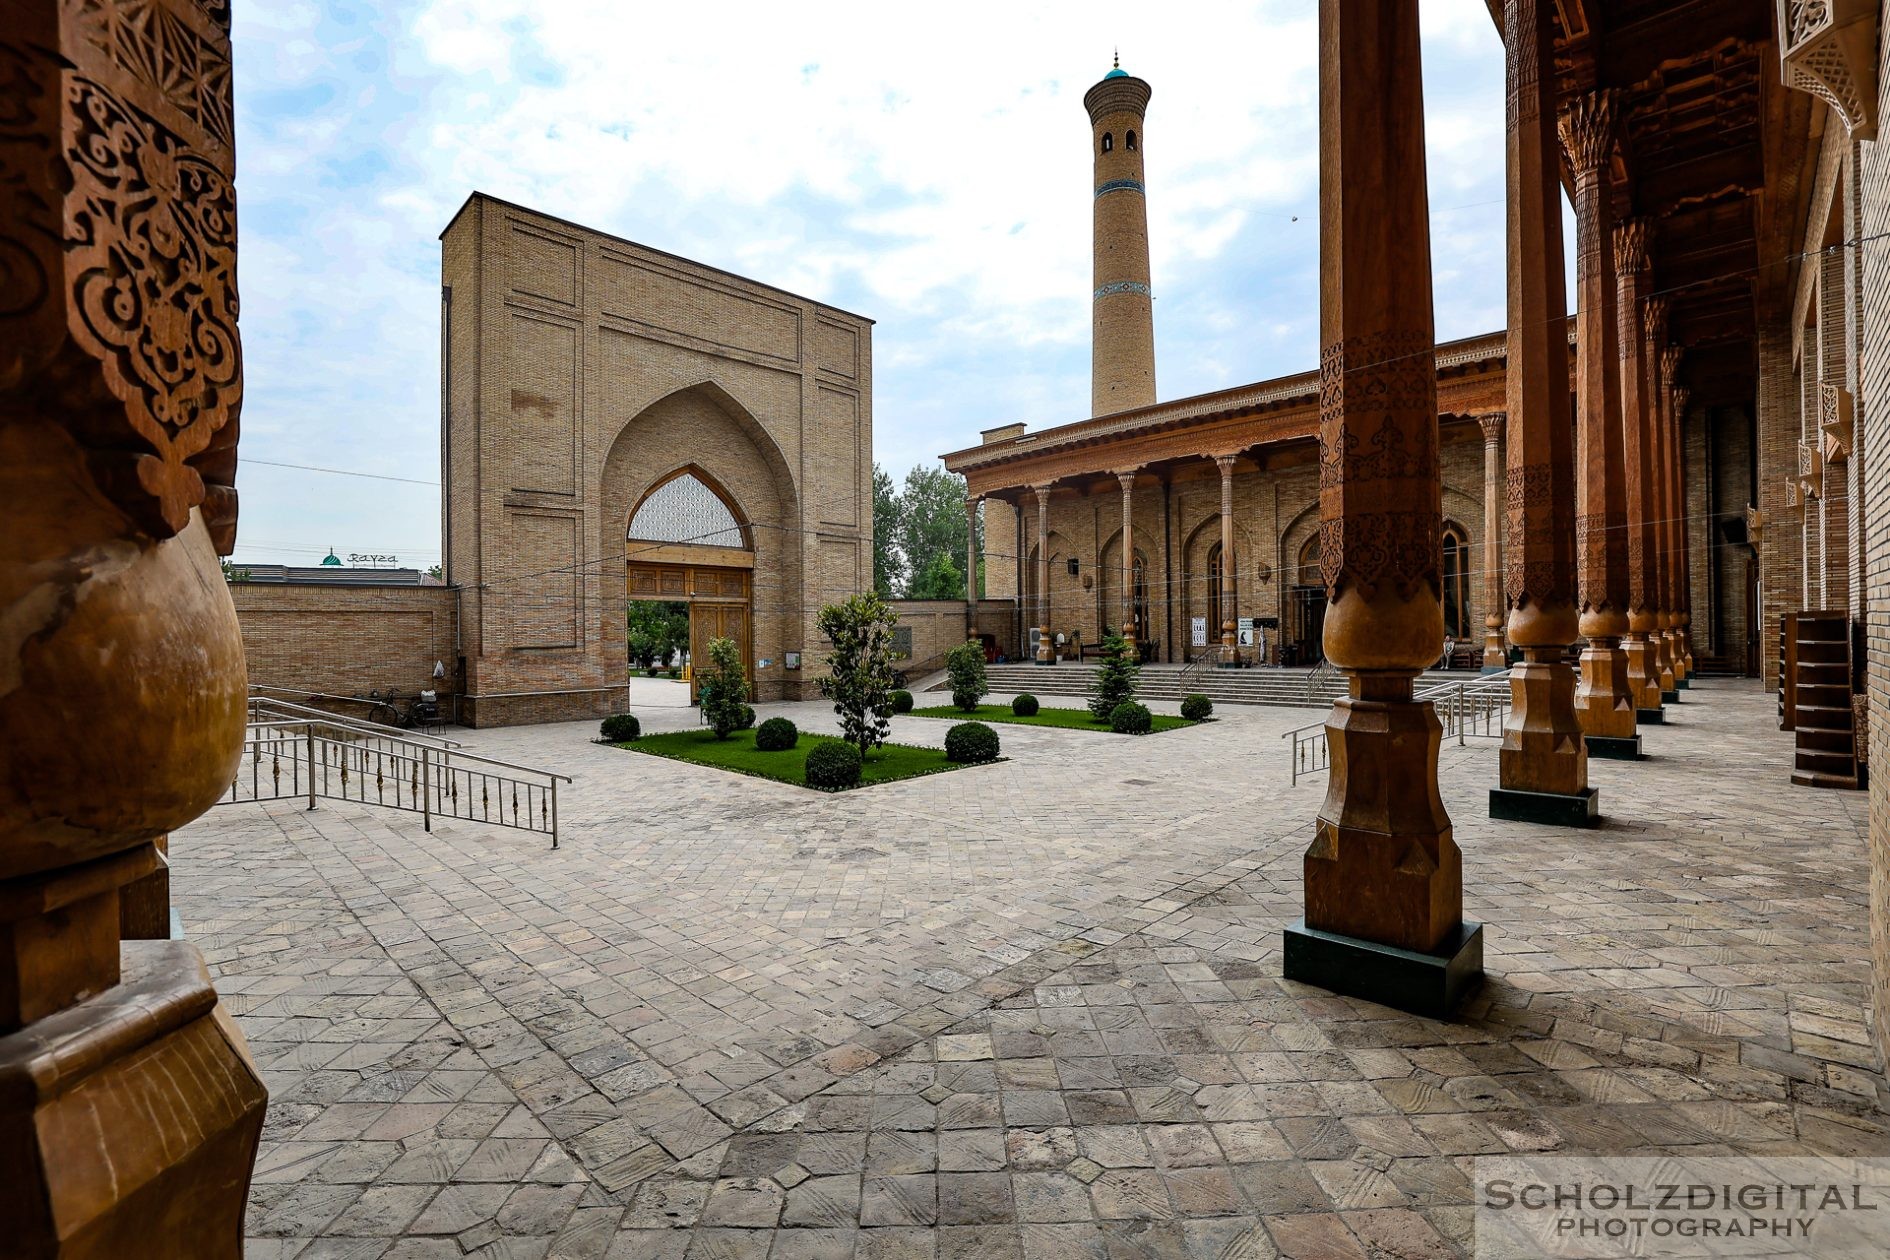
(1024, 706)
(902, 701)
(1196, 706)
(748, 717)
(777, 734)
(620, 728)
(971, 741)
(833, 764)
(1130, 718)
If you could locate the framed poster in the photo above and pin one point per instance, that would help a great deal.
(1200, 632)
(1246, 632)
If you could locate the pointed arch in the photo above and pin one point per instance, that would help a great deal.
(688, 505)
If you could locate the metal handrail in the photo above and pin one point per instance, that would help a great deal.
(1462, 707)
(1196, 667)
(263, 707)
(336, 760)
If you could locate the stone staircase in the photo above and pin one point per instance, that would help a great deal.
(1286, 688)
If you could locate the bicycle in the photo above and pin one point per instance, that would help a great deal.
(422, 710)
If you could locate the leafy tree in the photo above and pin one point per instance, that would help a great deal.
(657, 631)
(234, 573)
(965, 665)
(1115, 681)
(888, 570)
(940, 580)
(860, 668)
(931, 524)
(435, 571)
(724, 688)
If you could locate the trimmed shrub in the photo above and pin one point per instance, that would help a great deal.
(777, 734)
(965, 665)
(620, 728)
(1196, 706)
(833, 764)
(1130, 718)
(971, 741)
(1024, 706)
(724, 691)
(747, 717)
(902, 701)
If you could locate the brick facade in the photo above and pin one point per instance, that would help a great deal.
(321, 640)
(1872, 372)
(581, 370)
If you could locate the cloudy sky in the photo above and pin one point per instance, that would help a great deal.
(927, 167)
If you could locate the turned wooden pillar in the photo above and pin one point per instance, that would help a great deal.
(1383, 868)
(129, 1108)
(1639, 435)
(1672, 550)
(1495, 659)
(1544, 760)
(1046, 651)
(971, 566)
(1230, 640)
(1683, 560)
(1602, 700)
(1125, 616)
(1654, 312)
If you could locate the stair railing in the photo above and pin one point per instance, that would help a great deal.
(328, 758)
(1467, 710)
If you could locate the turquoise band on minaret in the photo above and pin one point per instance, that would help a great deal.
(1122, 185)
(1125, 286)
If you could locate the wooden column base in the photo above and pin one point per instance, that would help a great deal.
(1643, 672)
(1603, 703)
(1663, 652)
(1046, 650)
(1383, 865)
(1543, 750)
(1495, 653)
(130, 1120)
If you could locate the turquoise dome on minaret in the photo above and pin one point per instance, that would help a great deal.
(1117, 72)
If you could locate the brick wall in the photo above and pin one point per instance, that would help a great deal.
(1780, 577)
(347, 640)
(938, 626)
(582, 369)
(1730, 562)
(1873, 377)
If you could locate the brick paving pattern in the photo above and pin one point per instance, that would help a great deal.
(1029, 1010)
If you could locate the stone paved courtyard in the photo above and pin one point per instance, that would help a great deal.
(1026, 1010)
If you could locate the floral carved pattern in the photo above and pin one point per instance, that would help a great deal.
(1379, 493)
(150, 259)
(1539, 558)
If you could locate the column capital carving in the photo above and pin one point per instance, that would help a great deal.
(1681, 395)
(1670, 365)
(1630, 246)
(1226, 464)
(1493, 423)
(1042, 492)
(1586, 127)
(1654, 319)
(1126, 477)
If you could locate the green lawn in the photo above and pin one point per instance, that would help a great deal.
(1070, 719)
(888, 763)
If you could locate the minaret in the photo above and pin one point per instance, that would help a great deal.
(1122, 348)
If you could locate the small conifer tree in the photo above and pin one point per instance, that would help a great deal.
(1115, 681)
(724, 688)
(964, 665)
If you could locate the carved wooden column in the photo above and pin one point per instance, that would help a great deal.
(1384, 878)
(1495, 659)
(130, 1110)
(1125, 615)
(1230, 639)
(1046, 650)
(1673, 556)
(1544, 760)
(1639, 435)
(1653, 339)
(971, 565)
(1683, 568)
(1602, 699)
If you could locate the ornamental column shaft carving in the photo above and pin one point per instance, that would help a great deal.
(131, 1111)
(1494, 656)
(1639, 435)
(1543, 752)
(1230, 589)
(1046, 651)
(1672, 538)
(1602, 700)
(1383, 868)
(1125, 611)
(1682, 564)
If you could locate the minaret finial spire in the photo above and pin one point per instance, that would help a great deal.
(1118, 57)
